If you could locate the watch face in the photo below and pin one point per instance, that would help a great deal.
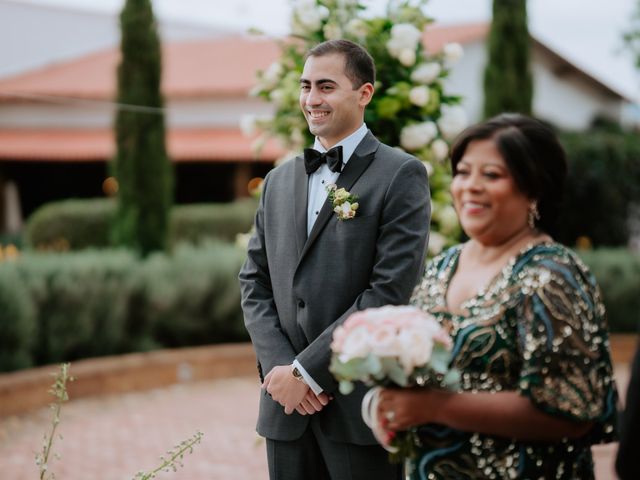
(296, 373)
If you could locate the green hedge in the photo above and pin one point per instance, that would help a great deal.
(64, 306)
(200, 222)
(83, 223)
(71, 225)
(618, 274)
(602, 186)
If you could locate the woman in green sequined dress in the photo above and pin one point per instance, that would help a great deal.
(527, 320)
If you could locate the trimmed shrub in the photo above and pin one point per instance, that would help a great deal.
(200, 222)
(79, 224)
(193, 297)
(17, 320)
(602, 186)
(71, 224)
(65, 306)
(618, 274)
(81, 301)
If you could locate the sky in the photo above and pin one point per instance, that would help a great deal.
(586, 32)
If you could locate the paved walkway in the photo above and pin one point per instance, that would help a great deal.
(113, 437)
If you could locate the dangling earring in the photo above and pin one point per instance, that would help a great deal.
(533, 215)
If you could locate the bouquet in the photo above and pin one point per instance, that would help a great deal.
(391, 347)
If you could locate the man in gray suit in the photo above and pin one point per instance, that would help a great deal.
(307, 270)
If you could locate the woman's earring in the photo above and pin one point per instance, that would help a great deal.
(534, 215)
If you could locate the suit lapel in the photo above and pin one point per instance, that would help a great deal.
(354, 168)
(300, 194)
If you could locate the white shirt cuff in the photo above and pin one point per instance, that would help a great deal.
(317, 389)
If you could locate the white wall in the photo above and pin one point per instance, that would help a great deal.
(567, 99)
(466, 78)
(200, 113)
(34, 35)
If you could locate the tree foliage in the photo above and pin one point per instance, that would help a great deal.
(142, 167)
(508, 86)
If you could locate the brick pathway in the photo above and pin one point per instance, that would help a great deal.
(112, 437)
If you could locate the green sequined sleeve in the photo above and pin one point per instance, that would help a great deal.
(562, 336)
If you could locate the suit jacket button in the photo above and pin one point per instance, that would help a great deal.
(301, 303)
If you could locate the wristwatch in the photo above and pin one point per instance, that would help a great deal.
(296, 374)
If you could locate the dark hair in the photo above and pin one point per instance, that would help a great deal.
(533, 155)
(358, 64)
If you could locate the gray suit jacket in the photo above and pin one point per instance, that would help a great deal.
(296, 290)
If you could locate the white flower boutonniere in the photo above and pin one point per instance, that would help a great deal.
(344, 204)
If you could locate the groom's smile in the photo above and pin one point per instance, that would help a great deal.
(331, 105)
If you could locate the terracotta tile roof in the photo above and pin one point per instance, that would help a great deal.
(97, 145)
(437, 36)
(212, 67)
(204, 68)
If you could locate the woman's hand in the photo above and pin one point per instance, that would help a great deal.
(400, 409)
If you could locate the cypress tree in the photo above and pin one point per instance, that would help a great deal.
(508, 86)
(141, 165)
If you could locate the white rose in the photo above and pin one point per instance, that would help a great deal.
(356, 344)
(448, 219)
(383, 341)
(271, 76)
(436, 242)
(417, 346)
(356, 27)
(394, 47)
(413, 137)
(332, 31)
(452, 52)
(307, 16)
(452, 121)
(248, 124)
(406, 34)
(440, 149)
(305, 4)
(428, 167)
(419, 96)
(407, 57)
(297, 138)
(426, 73)
(277, 96)
(324, 12)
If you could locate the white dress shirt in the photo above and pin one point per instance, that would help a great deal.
(317, 195)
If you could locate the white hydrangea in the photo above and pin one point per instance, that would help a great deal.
(426, 73)
(452, 121)
(436, 242)
(277, 96)
(416, 136)
(332, 31)
(440, 149)
(404, 36)
(356, 27)
(248, 124)
(448, 219)
(271, 76)
(407, 57)
(452, 52)
(308, 16)
(419, 95)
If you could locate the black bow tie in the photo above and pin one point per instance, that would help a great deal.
(313, 159)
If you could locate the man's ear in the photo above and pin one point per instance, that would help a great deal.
(366, 94)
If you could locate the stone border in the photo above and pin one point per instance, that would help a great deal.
(26, 390)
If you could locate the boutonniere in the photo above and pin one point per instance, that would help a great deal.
(343, 203)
